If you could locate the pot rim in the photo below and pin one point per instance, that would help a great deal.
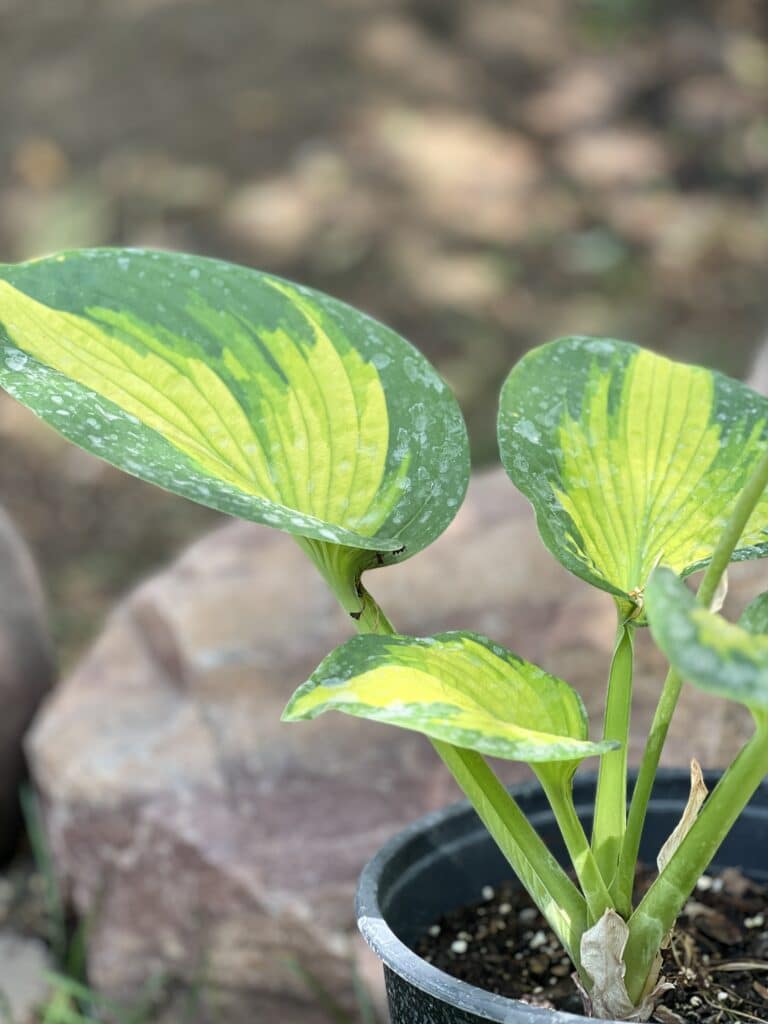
(393, 952)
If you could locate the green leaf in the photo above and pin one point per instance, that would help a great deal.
(630, 459)
(260, 398)
(707, 650)
(754, 618)
(457, 687)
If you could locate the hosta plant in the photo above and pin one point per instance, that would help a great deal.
(272, 402)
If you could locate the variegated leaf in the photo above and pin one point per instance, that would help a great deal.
(710, 652)
(457, 687)
(754, 618)
(241, 391)
(630, 459)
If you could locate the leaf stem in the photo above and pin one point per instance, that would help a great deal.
(742, 510)
(658, 910)
(372, 619)
(554, 894)
(641, 794)
(559, 791)
(611, 797)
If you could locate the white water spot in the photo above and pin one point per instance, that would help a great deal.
(194, 273)
(527, 430)
(16, 360)
(419, 372)
(381, 360)
(334, 681)
(123, 262)
(600, 347)
(402, 447)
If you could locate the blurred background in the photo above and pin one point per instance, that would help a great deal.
(481, 175)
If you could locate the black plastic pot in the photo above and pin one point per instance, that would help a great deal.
(441, 862)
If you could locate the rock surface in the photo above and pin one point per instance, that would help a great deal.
(26, 669)
(210, 841)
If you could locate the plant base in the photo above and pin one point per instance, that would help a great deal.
(442, 862)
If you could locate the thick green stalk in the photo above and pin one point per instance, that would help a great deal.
(742, 510)
(552, 891)
(659, 908)
(611, 798)
(372, 619)
(559, 792)
(625, 877)
(341, 569)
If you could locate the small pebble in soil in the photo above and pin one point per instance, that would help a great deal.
(538, 940)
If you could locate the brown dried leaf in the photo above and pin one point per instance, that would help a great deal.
(696, 798)
(720, 594)
(602, 957)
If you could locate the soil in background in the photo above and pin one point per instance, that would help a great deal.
(482, 175)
